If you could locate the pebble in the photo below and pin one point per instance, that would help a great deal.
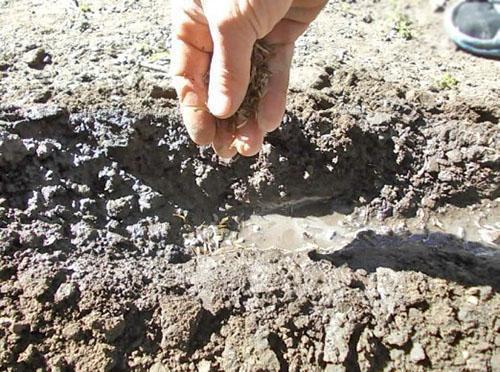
(158, 92)
(438, 5)
(71, 332)
(473, 300)
(398, 338)
(42, 96)
(20, 327)
(66, 292)
(455, 156)
(379, 118)
(36, 58)
(368, 18)
(120, 208)
(4, 66)
(204, 366)
(417, 353)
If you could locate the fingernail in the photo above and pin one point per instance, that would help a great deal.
(219, 105)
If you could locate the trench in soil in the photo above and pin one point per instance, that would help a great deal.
(306, 190)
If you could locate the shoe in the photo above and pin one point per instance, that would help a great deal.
(474, 25)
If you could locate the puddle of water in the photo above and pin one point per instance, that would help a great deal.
(333, 231)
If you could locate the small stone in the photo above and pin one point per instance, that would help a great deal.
(438, 5)
(417, 353)
(322, 81)
(72, 331)
(398, 338)
(455, 156)
(446, 176)
(368, 18)
(20, 327)
(44, 112)
(4, 66)
(36, 58)
(473, 300)
(428, 202)
(12, 149)
(66, 292)
(427, 100)
(432, 165)
(43, 96)
(340, 54)
(379, 118)
(58, 364)
(204, 366)
(120, 208)
(396, 354)
(158, 92)
(266, 358)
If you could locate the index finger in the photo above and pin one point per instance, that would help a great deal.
(191, 55)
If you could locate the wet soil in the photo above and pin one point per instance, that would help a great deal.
(125, 247)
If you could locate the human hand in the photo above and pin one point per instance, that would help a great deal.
(215, 38)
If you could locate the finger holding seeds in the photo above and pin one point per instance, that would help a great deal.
(223, 141)
(191, 56)
(249, 138)
(257, 87)
(240, 133)
(272, 105)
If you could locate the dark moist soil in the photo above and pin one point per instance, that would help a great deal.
(95, 276)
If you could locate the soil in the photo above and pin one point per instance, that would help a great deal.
(120, 244)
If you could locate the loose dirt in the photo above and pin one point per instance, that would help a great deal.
(125, 247)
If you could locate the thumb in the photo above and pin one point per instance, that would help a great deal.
(230, 67)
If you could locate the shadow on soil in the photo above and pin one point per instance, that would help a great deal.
(291, 170)
(437, 255)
